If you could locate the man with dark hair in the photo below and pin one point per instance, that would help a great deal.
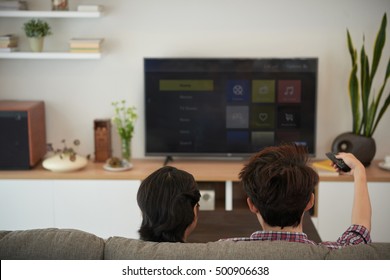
(280, 185)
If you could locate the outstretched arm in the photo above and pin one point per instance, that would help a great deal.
(361, 208)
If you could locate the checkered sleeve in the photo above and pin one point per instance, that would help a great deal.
(355, 234)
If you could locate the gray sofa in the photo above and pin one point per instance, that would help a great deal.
(64, 244)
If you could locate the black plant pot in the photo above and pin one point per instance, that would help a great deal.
(362, 147)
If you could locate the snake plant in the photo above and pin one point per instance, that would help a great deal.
(367, 110)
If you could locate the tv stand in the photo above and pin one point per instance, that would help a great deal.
(167, 160)
(39, 198)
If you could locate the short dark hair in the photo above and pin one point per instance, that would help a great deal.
(167, 198)
(279, 183)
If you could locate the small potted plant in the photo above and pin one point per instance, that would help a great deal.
(36, 30)
(124, 120)
(368, 104)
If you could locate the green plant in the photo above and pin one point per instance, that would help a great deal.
(365, 115)
(36, 28)
(124, 119)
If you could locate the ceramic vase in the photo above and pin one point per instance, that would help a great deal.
(36, 44)
(62, 163)
(362, 147)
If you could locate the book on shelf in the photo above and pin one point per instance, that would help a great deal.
(8, 49)
(8, 41)
(84, 50)
(86, 45)
(89, 8)
(325, 168)
(86, 40)
(13, 5)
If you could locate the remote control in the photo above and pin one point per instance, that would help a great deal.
(339, 162)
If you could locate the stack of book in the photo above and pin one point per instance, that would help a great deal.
(325, 168)
(8, 43)
(85, 45)
(89, 8)
(13, 5)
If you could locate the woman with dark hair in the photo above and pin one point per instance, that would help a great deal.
(168, 199)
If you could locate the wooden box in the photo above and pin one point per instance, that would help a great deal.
(102, 129)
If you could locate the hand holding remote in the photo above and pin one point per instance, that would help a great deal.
(339, 162)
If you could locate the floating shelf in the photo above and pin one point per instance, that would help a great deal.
(50, 14)
(49, 55)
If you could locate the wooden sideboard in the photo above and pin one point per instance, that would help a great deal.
(104, 202)
(203, 170)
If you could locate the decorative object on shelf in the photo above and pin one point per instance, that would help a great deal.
(102, 129)
(124, 120)
(116, 164)
(385, 164)
(8, 43)
(13, 5)
(89, 8)
(59, 5)
(85, 45)
(36, 30)
(366, 115)
(65, 159)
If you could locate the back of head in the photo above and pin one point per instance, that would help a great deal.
(280, 183)
(167, 198)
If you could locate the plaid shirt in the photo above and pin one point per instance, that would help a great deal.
(355, 234)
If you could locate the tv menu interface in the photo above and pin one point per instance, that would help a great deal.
(228, 106)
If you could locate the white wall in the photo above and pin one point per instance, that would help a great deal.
(77, 92)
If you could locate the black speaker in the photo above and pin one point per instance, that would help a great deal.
(22, 134)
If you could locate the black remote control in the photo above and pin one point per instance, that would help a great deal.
(339, 162)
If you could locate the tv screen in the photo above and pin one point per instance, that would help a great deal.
(228, 107)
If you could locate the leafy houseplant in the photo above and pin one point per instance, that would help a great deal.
(367, 109)
(124, 120)
(366, 116)
(36, 30)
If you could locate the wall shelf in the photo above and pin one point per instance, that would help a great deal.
(50, 14)
(49, 55)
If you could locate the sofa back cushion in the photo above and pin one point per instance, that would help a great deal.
(50, 244)
(372, 251)
(119, 248)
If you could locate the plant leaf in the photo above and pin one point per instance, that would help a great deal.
(370, 118)
(381, 113)
(365, 84)
(378, 47)
(355, 99)
(352, 50)
(384, 107)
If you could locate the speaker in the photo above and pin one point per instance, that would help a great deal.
(23, 134)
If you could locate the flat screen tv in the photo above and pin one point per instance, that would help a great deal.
(228, 107)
